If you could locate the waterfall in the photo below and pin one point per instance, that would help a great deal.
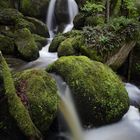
(68, 109)
(73, 11)
(51, 20)
(46, 57)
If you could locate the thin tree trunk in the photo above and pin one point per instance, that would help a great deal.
(107, 10)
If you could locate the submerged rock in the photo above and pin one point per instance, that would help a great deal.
(40, 91)
(99, 95)
(25, 44)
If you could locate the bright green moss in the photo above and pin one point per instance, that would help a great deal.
(97, 90)
(66, 48)
(16, 108)
(41, 91)
(56, 42)
(25, 44)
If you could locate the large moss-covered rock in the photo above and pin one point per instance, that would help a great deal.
(25, 44)
(34, 8)
(40, 89)
(9, 16)
(40, 27)
(99, 95)
(6, 44)
(16, 109)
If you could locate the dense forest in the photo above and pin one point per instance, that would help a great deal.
(95, 58)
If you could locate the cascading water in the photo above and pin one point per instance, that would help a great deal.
(134, 94)
(73, 11)
(46, 57)
(126, 129)
(68, 109)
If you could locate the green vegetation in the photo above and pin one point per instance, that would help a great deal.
(25, 44)
(96, 89)
(16, 108)
(40, 89)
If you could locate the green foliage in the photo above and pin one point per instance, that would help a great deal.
(120, 22)
(92, 8)
(131, 7)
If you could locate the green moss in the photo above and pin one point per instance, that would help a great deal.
(66, 48)
(9, 16)
(40, 89)
(99, 94)
(16, 108)
(40, 27)
(34, 8)
(56, 42)
(40, 41)
(25, 44)
(6, 44)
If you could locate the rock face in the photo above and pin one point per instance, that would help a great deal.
(99, 95)
(41, 92)
(34, 8)
(25, 44)
(61, 10)
(40, 28)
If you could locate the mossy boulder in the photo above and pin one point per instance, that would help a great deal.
(40, 27)
(34, 8)
(9, 16)
(16, 109)
(6, 44)
(56, 42)
(40, 41)
(40, 89)
(70, 46)
(25, 45)
(99, 95)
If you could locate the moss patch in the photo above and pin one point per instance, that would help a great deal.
(98, 93)
(25, 44)
(16, 108)
(40, 89)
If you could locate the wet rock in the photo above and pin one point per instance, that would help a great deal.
(99, 95)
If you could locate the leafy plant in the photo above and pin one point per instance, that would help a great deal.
(92, 8)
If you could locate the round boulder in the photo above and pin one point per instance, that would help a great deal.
(99, 95)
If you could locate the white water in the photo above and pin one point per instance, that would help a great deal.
(45, 57)
(51, 18)
(73, 11)
(68, 109)
(126, 129)
(134, 94)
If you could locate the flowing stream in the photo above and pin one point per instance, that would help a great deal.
(126, 129)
